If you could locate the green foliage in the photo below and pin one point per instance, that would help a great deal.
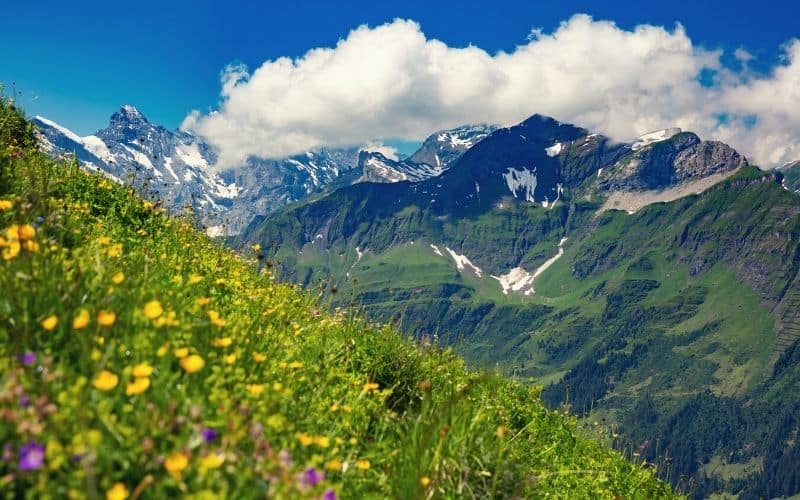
(138, 357)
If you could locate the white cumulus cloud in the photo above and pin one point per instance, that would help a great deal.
(393, 81)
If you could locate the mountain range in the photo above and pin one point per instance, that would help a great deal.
(178, 168)
(650, 287)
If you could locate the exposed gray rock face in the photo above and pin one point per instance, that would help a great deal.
(708, 157)
(662, 163)
(378, 168)
(444, 147)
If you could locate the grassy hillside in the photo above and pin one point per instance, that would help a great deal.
(676, 326)
(140, 359)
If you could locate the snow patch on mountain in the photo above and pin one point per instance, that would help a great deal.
(190, 155)
(653, 137)
(97, 147)
(551, 205)
(455, 140)
(215, 231)
(462, 262)
(516, 280)
(520, 280)
(436, 250)
(382, 169)
(64, 131)
(554, 150)
(521, 183)
(378, 168)
(552, 260)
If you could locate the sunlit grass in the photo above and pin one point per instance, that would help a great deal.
(138, 358)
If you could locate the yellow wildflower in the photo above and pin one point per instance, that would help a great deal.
(103, 240)
(31, 246)
(230, 358)
(193, 363)
(215, 319)
(96, 354)
(105, 381)
(195, 278)
(322, 441)
(118, 278)
(424, 481)
(117, 492)
(222, 342)
(181, 352)
(294, 365)
(305, 439)
(370, 387)
(201, 301)
(50, 322)
(258, 357)
(115, 250)
(255, 389)
(26, 232)
(12, 250)
(142, 370)
(153, 309)
(106, 318)
(162, 351)
(81, 320)
(212, 461)
(138, 386)
(175, 463)
(334, 464)
(363, 464)
(277, 387)
(6, 205)
(501, 431)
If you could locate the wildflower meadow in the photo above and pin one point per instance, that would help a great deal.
(141, 359)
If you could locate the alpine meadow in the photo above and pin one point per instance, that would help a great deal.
(400, 250)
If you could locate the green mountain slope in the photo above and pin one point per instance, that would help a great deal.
(791, 173)
(140, 359)
(660, 325)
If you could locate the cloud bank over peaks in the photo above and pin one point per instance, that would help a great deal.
(393, 81)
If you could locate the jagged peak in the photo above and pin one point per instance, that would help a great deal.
(128, 114)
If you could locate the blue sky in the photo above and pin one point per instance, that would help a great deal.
(77, 62)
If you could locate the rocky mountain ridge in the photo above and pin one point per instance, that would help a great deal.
(177, 168)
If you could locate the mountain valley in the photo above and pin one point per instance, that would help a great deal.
(652, 287)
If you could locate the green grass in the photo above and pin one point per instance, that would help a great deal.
(108, 307)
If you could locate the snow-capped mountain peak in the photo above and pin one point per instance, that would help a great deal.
(178, 168)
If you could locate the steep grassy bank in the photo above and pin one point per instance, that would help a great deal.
(140, 359)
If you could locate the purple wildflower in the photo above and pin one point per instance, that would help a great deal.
(24, 400)
(28, 358)
(31, 456)
(312, 477)
(329, 495)
(209, 435)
